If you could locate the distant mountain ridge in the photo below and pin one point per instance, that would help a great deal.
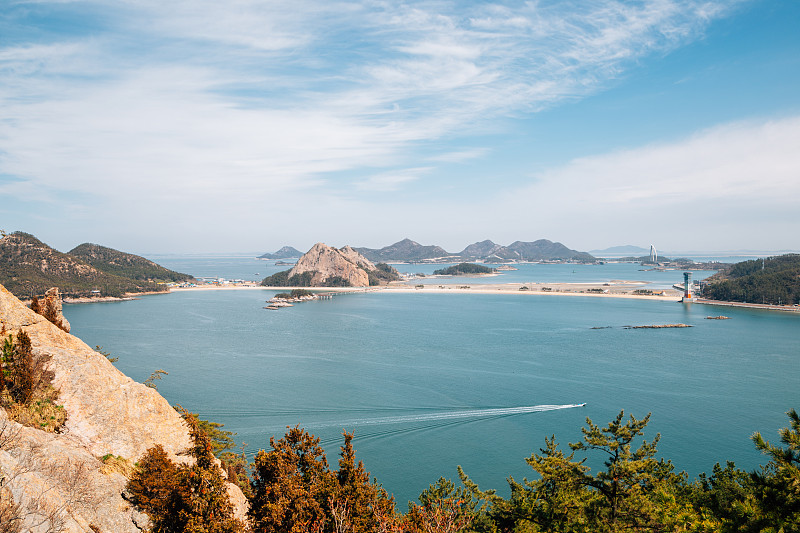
(540, 250)
(627, 249)
(286, 252)
(488, 250)
(29, 267)
(405, 250)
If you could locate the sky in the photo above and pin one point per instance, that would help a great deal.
(193, 126)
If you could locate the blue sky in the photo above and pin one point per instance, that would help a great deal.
(196, 126)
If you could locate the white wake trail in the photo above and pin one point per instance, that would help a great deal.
(449, 415)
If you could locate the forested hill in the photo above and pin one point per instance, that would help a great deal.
(774, 280)
(460, 269)
(124, 264)
(29, 267)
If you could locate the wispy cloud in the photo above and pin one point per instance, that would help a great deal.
(188, 98)
(460, 156)
(391, 181)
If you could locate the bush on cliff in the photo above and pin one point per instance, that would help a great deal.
(181, 498)
(25, 386)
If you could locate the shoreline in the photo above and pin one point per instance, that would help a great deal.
(769, 307)
(616, 289)
(622, 289)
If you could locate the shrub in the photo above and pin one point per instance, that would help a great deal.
(190, 499)
(25, 386)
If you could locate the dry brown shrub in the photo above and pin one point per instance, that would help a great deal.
(42, 413)
(116, 464)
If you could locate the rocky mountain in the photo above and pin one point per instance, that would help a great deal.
(63, 479)
(29, 267)
(409, 251)
(405, 250)
(543, 249)
(489, 251)
(124, 264)
(287, 252)
(325, 266)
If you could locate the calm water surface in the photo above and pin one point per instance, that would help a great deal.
(431, 381)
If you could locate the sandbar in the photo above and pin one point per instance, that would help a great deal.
(615, 289)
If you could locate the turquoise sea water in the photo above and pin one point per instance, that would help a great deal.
(431, 381)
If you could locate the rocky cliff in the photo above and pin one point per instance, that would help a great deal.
(326, 262)
(60, 478)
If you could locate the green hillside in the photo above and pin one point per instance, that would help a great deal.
(29, 267)
(463, 269)
(125, 265)
(774, 280)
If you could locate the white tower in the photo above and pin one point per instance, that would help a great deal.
(653, 254)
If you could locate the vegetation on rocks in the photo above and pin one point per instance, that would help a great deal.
(383, 274)
(26, 392)
(183, 498)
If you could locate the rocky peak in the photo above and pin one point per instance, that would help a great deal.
(327, 262)
(356, 258)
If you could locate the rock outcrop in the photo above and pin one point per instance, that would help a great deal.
(59, 476)
(326, 262)
(51, 307)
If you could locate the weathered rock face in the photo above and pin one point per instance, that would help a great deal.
(107, 413)
(327, 262)
(51, 308)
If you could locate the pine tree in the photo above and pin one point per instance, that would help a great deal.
(185, 499)
(291, 485)
(365, 501)
(778, 491)
(631, 477)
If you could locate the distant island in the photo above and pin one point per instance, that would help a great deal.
(326, 266)
(408, 251)
(464, 269)
(287, 252)
(29, 267)
(626, 249)
(772, 280)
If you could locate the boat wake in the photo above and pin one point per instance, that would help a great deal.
(448, 415)
(412, 423)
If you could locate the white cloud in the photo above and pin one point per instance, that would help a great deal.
(392, 181)
(190, 102)
(727, 177)
(460, 156)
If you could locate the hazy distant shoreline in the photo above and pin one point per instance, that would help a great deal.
(622, 289)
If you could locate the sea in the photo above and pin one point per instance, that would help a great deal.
(431, 381)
